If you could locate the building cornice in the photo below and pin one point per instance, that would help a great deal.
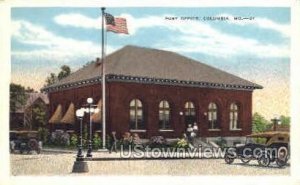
(149, 80)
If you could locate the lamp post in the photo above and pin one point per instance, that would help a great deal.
(80, 166)
(276, 120)
(91, 110)
(79, 115)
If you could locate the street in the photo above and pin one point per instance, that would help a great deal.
(61, 164)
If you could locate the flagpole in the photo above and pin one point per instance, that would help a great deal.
(103, 85)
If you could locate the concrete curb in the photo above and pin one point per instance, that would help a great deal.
(56, 150)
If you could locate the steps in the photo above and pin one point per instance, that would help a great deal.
(204, 143)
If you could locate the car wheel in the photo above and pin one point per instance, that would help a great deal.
(228, 159)
(264, 160)
(282, 156)
(281, 163)
(245, 160)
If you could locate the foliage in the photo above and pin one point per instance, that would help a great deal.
(285, 120)
(88, 63)
(39, 115)
(60, 138)
(53, 78)
(259, 123)
(157, 142)
(65, 71)
(18, 96)
(97, 141)
(182, 143)
(73, 140)
(221, 142)
(30, 90)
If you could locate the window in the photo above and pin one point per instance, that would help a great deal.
(136, 115)
(189, 113)
(234, 112)
(213, 116)
(164, 115)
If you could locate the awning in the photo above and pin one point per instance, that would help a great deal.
(69, 117)
(96, 118)
(56, 117)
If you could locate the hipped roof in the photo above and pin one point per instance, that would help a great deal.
(136, 61)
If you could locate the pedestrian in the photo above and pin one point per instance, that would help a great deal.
(113, 142)
(195, 129)
(189, 131)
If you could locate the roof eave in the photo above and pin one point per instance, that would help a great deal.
(148, 80)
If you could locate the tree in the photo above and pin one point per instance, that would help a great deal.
(30, 90)
(18, 97)
(65, 71)
(285, 120)
(259, 123)
(53, 78)
(39, 115)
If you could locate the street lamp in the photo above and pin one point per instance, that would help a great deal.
(91, 110)
(79, 115)
(80, 166)
(276, 120)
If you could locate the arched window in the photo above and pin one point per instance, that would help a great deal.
(234, 115)
(164, 115)
(213, 116)
(189, 113)
(136, 114)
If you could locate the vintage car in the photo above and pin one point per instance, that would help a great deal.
(266, 147)
(24, 141)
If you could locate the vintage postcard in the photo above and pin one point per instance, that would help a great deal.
(158, 91)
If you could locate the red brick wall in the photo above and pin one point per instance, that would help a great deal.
(120, 94)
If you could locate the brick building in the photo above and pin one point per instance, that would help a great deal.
(154, 92)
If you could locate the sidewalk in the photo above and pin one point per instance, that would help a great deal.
(140, 155)
(59, 150)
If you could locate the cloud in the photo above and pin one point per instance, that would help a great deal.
(196, 36)
(52, 47)
(78, 20)
(261, 22)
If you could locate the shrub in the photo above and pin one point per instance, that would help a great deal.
(97, 141)
(182, 143)
(221, 142)
(157, 142)
(74, 140)
(60, 138)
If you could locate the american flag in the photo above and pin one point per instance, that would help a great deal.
(119, 27)
(109, 19)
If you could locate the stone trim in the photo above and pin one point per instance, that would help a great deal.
(166, 130)
(137, 130)
(214, 130)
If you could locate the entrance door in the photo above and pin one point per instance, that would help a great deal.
(189, 113)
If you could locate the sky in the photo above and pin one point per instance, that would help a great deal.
(256, 49)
